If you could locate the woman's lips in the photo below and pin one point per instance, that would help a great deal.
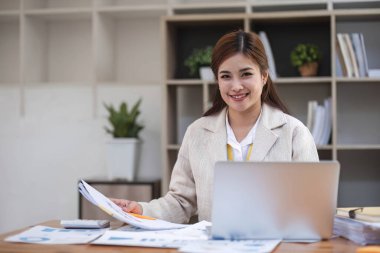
(239, 97)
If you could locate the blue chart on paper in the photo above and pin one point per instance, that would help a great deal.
(34, 239)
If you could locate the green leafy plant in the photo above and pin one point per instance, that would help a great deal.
(124, 122)
(304, 53)
(198, 58)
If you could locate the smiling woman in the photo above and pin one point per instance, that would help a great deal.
(247, 121)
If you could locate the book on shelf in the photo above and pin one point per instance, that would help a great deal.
(352, 55)
(319, 121)
(359, 53)
(364, 54)
(342, 50)
(369, 214)
(268, 50)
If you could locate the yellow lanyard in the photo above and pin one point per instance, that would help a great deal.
(230, 153)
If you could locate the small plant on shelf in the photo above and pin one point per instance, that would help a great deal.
(306, 57)
(124, 123)
(200, 57)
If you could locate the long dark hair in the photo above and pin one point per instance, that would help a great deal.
(250, 45)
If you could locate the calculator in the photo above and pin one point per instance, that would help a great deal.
(85, 223)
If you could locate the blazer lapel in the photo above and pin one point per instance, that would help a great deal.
(271, 118)
(263, 142)
(216, 137)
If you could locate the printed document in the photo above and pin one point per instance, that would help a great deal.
(226, 246)
(49, 235)
(104, 203)
(173, 238)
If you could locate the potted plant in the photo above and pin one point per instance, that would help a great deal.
(306, 57)
(123, 150)
(199, 61)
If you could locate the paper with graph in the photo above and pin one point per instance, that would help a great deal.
(104, 203)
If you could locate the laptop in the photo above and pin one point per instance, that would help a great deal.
(292, 201)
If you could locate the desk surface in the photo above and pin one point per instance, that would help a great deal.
(334, 245)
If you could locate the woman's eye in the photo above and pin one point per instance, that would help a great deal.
(224, 76)
(246, 74)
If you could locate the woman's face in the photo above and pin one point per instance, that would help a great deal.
(241, 83)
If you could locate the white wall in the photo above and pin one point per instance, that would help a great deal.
(58, 141)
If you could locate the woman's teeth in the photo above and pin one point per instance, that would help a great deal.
(239, 96)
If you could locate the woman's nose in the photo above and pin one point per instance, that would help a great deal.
(236, 85)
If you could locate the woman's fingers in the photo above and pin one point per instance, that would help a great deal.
(128, 205)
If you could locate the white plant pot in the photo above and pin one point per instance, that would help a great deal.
(206, 74)
(122, 158)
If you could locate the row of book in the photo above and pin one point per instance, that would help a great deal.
(319, 121)
(352, 57)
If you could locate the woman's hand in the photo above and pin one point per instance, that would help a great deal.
(128, 205)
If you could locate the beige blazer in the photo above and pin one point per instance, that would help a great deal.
(279, 137)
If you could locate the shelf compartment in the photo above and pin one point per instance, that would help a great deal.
(185, 105)
(358, 120)
(9, 5)
(297, 95)
(183, 38)
(9, 50)
(325, 153)
(365, 25)
(359, 177)
(286, 32)
(58, 48)
(120, 42)
(56, 4)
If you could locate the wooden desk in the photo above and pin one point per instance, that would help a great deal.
(334, 245)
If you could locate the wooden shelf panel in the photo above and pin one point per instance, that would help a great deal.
(285, 80)
(56, 4)
(358, 147)
(173, 147)
(131, 12)
(359, 81)
(60, 14)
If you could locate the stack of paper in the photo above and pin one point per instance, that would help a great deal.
(360, 232)
(104, 203)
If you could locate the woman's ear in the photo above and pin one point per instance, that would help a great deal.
(265, 77)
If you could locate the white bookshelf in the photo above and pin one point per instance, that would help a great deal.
(108, 44)
(355, 106)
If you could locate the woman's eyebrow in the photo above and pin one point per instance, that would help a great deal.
(245, 69)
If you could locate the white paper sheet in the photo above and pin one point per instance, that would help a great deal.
(174, 238)
(98, 199)
(225, 246)
(49, 235)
